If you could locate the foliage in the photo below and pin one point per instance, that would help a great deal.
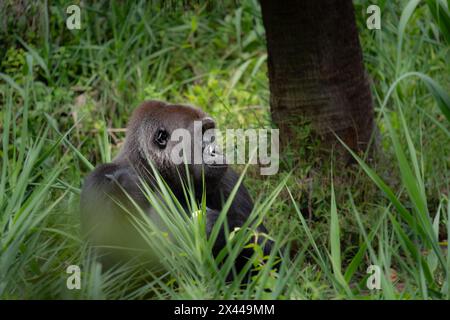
(66, 95)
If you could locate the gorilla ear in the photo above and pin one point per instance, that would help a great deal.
(161, 138)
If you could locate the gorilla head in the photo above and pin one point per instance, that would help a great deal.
(167, 133)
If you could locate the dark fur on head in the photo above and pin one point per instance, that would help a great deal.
(139, 147)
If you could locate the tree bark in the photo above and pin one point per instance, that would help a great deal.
(316, 70)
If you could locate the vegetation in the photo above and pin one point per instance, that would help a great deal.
(66, 95)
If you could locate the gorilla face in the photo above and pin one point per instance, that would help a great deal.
(160, 131)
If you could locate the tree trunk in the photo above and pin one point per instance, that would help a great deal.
(316, 70)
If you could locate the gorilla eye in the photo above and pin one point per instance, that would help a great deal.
(161, 138)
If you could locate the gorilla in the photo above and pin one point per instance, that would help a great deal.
(107, 190)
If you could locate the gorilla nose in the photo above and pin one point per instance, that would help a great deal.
(207, 123)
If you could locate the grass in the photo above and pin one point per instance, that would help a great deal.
(66, 96)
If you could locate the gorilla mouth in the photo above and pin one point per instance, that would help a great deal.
(212, 156)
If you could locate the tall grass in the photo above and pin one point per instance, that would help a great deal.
(65, 98)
